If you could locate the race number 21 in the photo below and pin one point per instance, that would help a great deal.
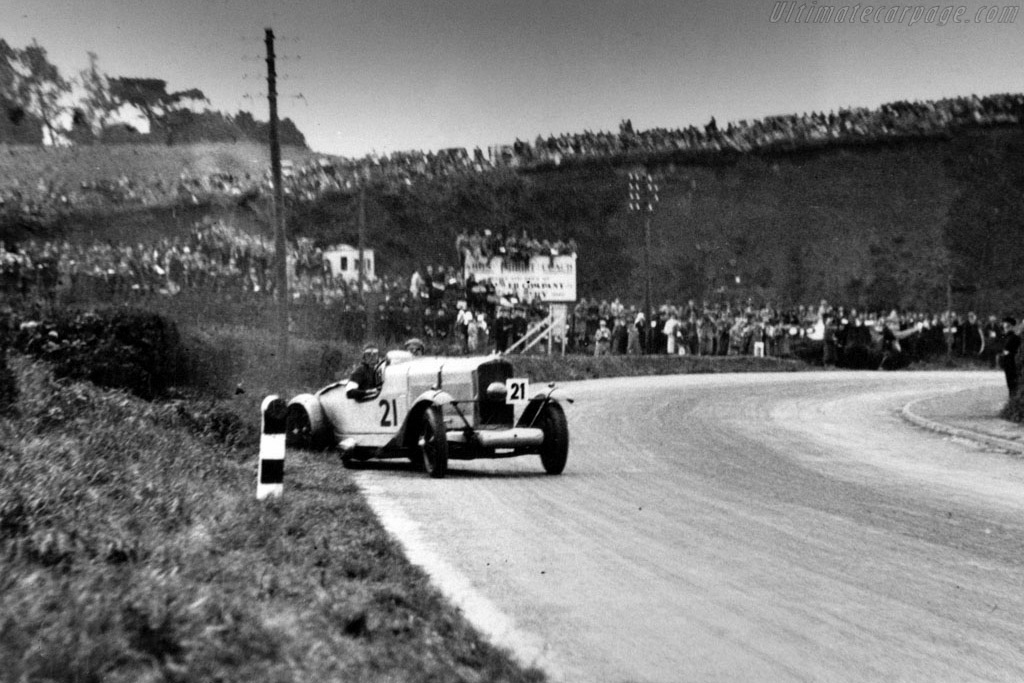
(390, 417)
(517, 390)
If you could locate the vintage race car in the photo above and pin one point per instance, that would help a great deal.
(432, 409)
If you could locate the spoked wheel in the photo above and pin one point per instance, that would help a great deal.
(432, 443)
(299, 430)
(555, 450)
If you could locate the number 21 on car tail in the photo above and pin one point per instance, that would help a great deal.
(517, 390)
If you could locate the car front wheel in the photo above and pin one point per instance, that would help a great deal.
(432, 443)
(555, 450)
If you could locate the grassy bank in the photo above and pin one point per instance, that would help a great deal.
(131, 549)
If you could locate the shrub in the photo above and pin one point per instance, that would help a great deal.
(212, 363)
(218, 424)
(8, 387)
(116, 348)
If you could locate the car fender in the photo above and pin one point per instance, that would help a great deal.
(433, 397)
(311, 404)
(550, 395)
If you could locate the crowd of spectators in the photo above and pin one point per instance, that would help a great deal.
(452, 313)
(217, 260)
(834, 336)
(888, 122)
(47, 199)
(517, 247)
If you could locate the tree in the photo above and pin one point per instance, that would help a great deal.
(39, 87)
(8, 76)
(98, 104)
(150, 96)
(16, 124)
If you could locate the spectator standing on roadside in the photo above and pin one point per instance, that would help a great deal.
(616, 309)
(620, 337)
(633, 336)
(502, 331)
(1008, 358)
(602, 339)
(973, 336)
(892, 351)
(669, 330)
(472, 334)
(462, 320)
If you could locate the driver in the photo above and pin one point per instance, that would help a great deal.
(367, 377)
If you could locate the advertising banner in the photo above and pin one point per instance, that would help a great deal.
(547, 278)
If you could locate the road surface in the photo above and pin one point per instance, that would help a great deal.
(783, 527)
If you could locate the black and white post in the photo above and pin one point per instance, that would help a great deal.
(270, 476)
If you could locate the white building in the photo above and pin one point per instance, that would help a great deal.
(344, 262)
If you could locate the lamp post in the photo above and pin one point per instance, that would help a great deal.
(643, 197)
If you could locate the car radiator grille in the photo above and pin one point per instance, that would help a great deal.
(493, 413)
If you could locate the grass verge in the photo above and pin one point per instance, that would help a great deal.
(132, 550)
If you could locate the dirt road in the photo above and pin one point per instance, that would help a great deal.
(736, 527)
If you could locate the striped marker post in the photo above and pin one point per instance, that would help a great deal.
(270, 477)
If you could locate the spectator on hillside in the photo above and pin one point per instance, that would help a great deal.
(416, 283)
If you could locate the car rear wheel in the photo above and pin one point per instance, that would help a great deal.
(555, 450)
(299, 430)
(432, 443)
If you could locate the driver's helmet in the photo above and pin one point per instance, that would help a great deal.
(415, 346)
(371, 354)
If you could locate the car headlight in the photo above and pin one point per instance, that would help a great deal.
(495, 391)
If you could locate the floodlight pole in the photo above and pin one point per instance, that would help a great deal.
(643, 196)
(647, 265)
(280, 244)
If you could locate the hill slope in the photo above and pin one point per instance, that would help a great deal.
(868, 226)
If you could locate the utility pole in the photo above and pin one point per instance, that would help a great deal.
(280, 244)
(362, 256)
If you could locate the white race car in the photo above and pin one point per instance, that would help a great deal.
(432, 409)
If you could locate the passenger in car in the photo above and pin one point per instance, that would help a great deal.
(415, 346)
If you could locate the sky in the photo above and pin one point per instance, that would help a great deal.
(395, 75)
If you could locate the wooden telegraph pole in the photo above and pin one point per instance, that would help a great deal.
(280, 244)
(362, 259)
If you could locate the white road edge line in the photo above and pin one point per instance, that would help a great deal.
(501, 629)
